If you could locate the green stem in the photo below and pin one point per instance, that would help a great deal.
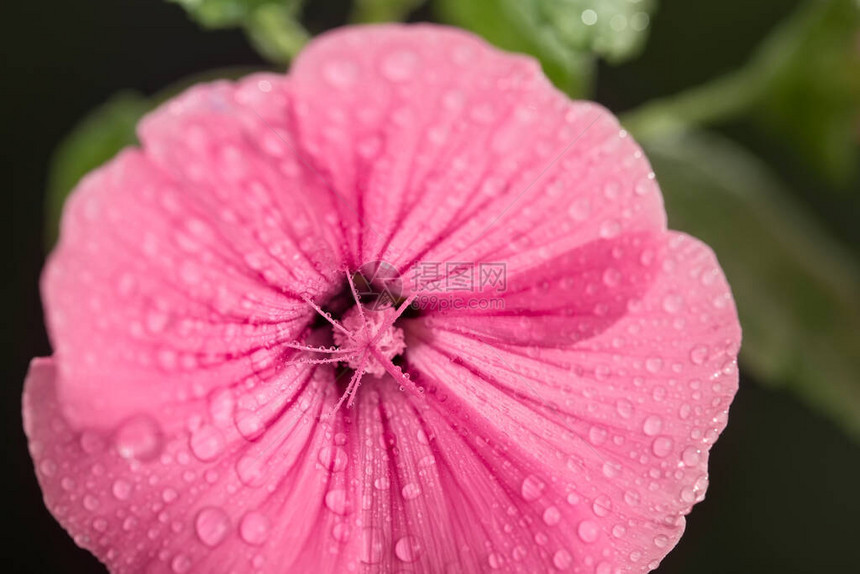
(719, 100)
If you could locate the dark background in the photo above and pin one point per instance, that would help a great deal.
(785, 483)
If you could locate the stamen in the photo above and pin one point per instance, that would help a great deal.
(326, 316)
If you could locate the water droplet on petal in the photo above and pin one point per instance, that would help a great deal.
(139, 438)
(400, 66)
(212, 525)
(652, 425)
(371, 546)
(333, 458)
(690, 456)
(551, 516)
(699, 354)
(588, 531)
(410, 491)
(407, 549)
(340, 73)
(601, 505)
(335, 500)
(662, 446)
(121, 489)
(180, 564)
(532, 488)
(207, 443)
(562, 559)
(254, 528)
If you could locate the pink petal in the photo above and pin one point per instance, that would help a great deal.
(560, 301)
(181, 267)
(447, 149)
(204, 498)
(616, 428)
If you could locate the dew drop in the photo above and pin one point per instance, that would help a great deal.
(699, 354)
(333, 458)
(625, 408)
(612, 277)
(371, 546)
(121, 489)
(249, 424)
(690, 456)
(532, 488)
(410, 491)
(653, 364)
(588, 531)
(601, 505)
(335, 500)
(180, 564)
(382, 483)
(562, 559)
(340, 73)
(400, 66)
(139, 438)
(662, 446)
(609, 229)
(652, 425)
(495, 560)
(407, 549)
(254, 528)
(212, 525)
(207, 443)
(551, 516)
(579, 210)
(597, 435)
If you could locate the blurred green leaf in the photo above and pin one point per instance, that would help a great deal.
(795, 287)
(96, 139)
(383, 10)
(272, 25)
(614, 29)
(803, 83)
(813, 99)
(513, 27)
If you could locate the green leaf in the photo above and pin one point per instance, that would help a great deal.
(813, 97)
(803, 83)
(614, 29)
(796, 288)
(272, 25)
(514, 27)
(366, 11)
(96, 139)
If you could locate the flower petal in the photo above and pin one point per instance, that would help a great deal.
(566, 299)
(181, 267)
(445, 149)
(200, 498)
(618, 425)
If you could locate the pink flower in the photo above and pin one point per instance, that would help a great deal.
(202, 413)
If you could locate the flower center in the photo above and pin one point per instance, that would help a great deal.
(371, 336)
(363, 322)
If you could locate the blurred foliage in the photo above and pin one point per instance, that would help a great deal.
(272, 25)
(96, 139)
(564, 35)
(813, 95)
(802, 84)
(383, 10)
(795, 287)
